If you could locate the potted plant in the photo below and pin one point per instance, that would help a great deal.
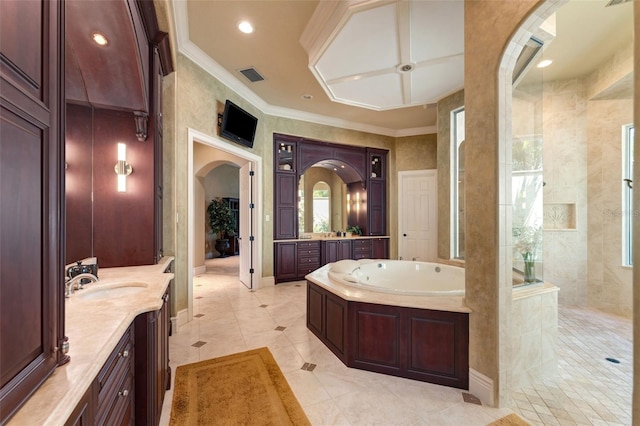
(355, 230)
(221, 223)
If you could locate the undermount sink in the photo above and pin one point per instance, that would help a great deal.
(107, 291)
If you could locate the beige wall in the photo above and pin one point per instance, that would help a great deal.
(610, 285)
(565, 192)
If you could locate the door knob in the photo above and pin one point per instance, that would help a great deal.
(404, 235)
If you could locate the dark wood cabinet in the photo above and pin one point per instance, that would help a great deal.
(379, 248)
(421, 344)
(362, 249)
(376, 192)
(295, 259)
(327, 319)
(83, 414)
(308, 257)
(31, 195)
(334, 250)
(153, 374)
(366, 178)
(114, 385)
(286, 261)
(234, 206)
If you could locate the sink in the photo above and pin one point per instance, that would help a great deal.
(111, 290)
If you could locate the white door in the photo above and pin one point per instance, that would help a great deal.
(246, 238)
(417, 213)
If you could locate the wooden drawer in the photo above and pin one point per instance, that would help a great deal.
(111, 380)
(361, 249)
(309, 248)
(120, 410)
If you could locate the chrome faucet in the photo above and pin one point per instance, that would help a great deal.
(76, 281)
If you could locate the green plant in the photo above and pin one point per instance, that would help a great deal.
(220, 218)
(355, 229)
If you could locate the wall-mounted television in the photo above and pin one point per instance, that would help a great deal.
(238, 125)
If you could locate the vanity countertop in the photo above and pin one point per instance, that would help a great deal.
(93, 327)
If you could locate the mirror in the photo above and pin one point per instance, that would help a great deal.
(322, 196)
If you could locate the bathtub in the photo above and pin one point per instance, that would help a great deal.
(400, 277)
(401, 318)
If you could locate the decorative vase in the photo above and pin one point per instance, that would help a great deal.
(529, 271)
(222, 246)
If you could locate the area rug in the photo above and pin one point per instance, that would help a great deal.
(246, 388)
(510, 420)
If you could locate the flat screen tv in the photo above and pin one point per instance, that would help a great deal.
(238, 125)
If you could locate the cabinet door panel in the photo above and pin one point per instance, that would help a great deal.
(31, 296)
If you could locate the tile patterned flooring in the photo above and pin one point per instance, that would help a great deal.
(229, 318)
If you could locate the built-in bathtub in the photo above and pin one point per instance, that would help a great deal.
(409, 330)
(400, 277)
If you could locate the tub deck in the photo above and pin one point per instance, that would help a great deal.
(421, 338)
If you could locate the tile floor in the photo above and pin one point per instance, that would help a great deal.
(229, 318)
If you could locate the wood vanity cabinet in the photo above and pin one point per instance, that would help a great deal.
(114, 385)
(294, 260)
(153, 374)
(334, 250)
(379, 248)
(308, 257)
(376, 191)
(362, 249)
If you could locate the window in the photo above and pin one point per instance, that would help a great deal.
(627, 195)
(457, 183)
(321, 207)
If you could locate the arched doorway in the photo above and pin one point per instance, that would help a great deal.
(213, 151)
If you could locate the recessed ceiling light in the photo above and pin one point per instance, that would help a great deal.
(545, 63)
(245, 27)
(307, 97)
(99, 39)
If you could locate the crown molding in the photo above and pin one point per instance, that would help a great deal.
(200, 58)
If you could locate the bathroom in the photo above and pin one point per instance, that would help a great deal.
(193, 87)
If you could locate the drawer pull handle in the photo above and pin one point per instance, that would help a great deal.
(123, 354)
(124, 392)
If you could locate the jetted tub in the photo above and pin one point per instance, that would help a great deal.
(394, 317)
(400, 277)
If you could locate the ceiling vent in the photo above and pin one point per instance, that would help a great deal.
(251, 74)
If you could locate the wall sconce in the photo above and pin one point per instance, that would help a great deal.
(122, 168)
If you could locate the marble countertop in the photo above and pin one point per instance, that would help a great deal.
(93, 327)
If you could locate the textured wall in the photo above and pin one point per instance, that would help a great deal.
(565, 175)
(610, 285)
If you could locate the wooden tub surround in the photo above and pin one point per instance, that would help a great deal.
(383, 333)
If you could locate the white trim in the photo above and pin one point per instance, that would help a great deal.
(182, 319)
(268, 281)
(199, 270)
(481, 386)
(195, 136)
(197, 55)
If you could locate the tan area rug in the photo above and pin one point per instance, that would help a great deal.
(244, 388)
(510, 420)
